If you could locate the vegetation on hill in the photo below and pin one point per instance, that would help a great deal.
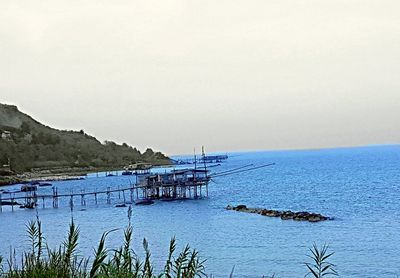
(29, 144)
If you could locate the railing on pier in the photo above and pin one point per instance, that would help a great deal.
(32, 199)
(168, 191)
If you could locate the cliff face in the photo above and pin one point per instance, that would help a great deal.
(29, 144)
(10, 116)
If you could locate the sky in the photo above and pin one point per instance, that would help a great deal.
(227, 74)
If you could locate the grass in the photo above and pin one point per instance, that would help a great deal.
(40, 261)
(320, 266)
(63, 261)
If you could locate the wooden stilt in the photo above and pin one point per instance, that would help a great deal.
(131, 194)
(83, 200)
(71, 202)
(108, 196)
(56, 199)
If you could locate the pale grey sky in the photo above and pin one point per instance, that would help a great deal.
(227, 74)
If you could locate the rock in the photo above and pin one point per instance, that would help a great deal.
(314, 219)
(274, 213)
(240, 207)
(284, 215)
(287, 215)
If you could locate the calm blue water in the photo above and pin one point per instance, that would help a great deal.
(357, 186)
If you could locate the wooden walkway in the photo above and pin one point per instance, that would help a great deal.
(177, 191)
(32, 199)
(176, 185)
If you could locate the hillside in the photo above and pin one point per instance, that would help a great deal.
(30, 145)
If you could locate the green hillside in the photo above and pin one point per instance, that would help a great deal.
(30, 145)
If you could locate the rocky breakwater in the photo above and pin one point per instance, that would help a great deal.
(284, 215)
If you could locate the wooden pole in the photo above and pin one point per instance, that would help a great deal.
(83, 200)
(56, 197)
(108, 196)
(205, 168)
(12, 204)
(71, 202)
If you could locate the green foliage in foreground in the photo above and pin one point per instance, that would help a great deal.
(123, 262)
(320, 266)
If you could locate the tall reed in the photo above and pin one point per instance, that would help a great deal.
(122, 262)
(40, 261)
(320, 266)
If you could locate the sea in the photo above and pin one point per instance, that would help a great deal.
(357, 187)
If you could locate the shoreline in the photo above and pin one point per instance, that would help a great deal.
(59, 174)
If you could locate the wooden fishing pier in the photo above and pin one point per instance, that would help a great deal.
(32, 199)
(174, 185)
(178, 184)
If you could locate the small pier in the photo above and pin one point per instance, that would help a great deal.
(32, 199)
(175, 185)
(178, 184)
(201, 159)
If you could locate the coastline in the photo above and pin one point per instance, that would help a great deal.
(58, 174)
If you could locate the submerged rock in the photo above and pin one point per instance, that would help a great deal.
(284, 215)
